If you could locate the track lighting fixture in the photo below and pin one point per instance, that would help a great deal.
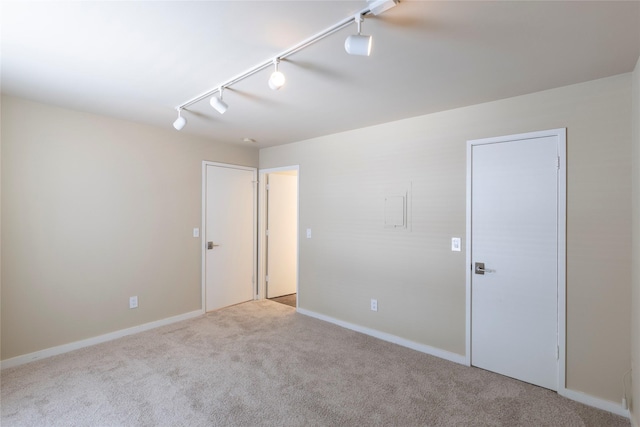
(180, 121)
(217, 102)
(358, 44)
(379, 6)
(276, 81)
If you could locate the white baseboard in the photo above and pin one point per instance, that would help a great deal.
(65, 348)
(457, 358)
(596, 402)
(442, 354)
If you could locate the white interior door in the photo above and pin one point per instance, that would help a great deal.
(282, 226)
(230, 251)
(514, 237)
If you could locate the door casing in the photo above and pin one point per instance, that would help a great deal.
(560, 135)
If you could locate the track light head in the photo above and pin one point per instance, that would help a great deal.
(277, 80)
(217, 103)
(180, 121)
(358, 44)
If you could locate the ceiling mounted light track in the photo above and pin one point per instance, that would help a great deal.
(356, 45)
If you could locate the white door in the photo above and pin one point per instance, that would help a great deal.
(282, 226)
(230, 232)
(514, 239)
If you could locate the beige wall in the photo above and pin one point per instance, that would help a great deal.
(95, 210)
(635, 300)
(418, 281)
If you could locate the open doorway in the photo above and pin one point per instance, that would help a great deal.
(279, 235)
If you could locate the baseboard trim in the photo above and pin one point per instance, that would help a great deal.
(442, 354)
(577, 396)
(65, 348)
(595, 402)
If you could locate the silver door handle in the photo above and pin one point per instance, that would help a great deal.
(481, 270)
(210, 245)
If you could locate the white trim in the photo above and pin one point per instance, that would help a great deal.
(442, 354)
(561, 135)
(577, 396)
(468, 263)
(203, 237)
(262, 294)
(262, 230)
(595, 402)
(65, 348)
(279, 169)
(203, 234)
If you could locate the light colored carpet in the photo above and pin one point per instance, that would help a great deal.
(290, 300)
(262, 364)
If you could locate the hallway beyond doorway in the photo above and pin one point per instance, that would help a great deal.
(289, 300)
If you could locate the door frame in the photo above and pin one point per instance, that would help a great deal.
(561, 136)
(203, 227)
(262, 226)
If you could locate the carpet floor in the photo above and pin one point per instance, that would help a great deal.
(262, 364)
(290, 300)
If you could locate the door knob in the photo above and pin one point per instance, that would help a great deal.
(481, 270)
(210, 245)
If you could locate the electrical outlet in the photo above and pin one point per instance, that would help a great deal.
(308, 233)
(133, 302)
(374, 304)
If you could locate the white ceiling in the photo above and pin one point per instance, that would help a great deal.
(139, 60)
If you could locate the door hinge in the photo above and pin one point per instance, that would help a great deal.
(267, 187)
(558, 163)
(557, 352)
(266, 278)
(266, 232)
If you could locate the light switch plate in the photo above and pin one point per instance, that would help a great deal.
(308, 233)
(456, 244)
(133, 302)
(196, 232)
